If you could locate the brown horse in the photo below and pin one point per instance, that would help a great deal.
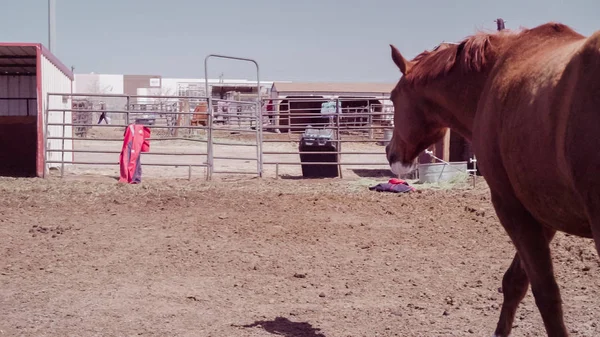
(529, 101)
(200, 115)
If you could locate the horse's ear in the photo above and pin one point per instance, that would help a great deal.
(400, 61)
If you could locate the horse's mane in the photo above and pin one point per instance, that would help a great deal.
(472, 53)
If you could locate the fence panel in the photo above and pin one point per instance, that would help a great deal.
(202, 136)
(178, 141)
(258, 128)
(235, 137)
(361, 128)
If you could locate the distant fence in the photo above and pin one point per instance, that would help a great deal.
(191, 134)
(360, 129)
(98, 129)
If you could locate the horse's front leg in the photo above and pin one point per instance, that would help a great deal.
(534, 263)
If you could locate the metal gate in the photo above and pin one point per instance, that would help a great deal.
(231, 119)
(88, 136)
(234, 141)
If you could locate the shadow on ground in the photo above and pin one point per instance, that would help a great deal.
(284, 327)
(374, 173)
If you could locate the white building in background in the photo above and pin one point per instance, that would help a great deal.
(98, 83)
(145, 85)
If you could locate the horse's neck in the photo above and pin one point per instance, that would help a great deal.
(458, 92)
(458, 102)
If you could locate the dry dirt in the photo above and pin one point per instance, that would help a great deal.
(250, 257)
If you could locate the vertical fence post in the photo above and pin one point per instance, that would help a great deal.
(62, 161)
(289, 117)
(276, 117)
(258, 127)
(127, 109)
(209, 139)
(338, 137)
(500, 24)
(258, 138)
(259, 143)
(474, 161)
(370, 120)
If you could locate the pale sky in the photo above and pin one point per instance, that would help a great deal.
(303, 40)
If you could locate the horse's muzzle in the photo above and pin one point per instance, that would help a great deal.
(396, 164)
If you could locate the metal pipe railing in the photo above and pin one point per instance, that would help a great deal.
(352, 130)
(57, 117)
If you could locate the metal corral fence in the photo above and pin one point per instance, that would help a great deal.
(235, 139)
(185, 137)
(191, 134)
(359, 128)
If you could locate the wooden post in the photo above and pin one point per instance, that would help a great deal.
(186, 118)
(500, 24)
(446, 146)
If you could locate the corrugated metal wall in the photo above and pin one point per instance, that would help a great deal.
(22, 87)
(55, 81)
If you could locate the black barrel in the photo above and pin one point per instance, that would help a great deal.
(319, 141)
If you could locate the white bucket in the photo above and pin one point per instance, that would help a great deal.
(441, 172)
(387, 136)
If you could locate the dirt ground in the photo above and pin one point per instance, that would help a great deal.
(265, 257)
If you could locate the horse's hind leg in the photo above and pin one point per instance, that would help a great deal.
(593, 214)
(514, 287)
(532, 241)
